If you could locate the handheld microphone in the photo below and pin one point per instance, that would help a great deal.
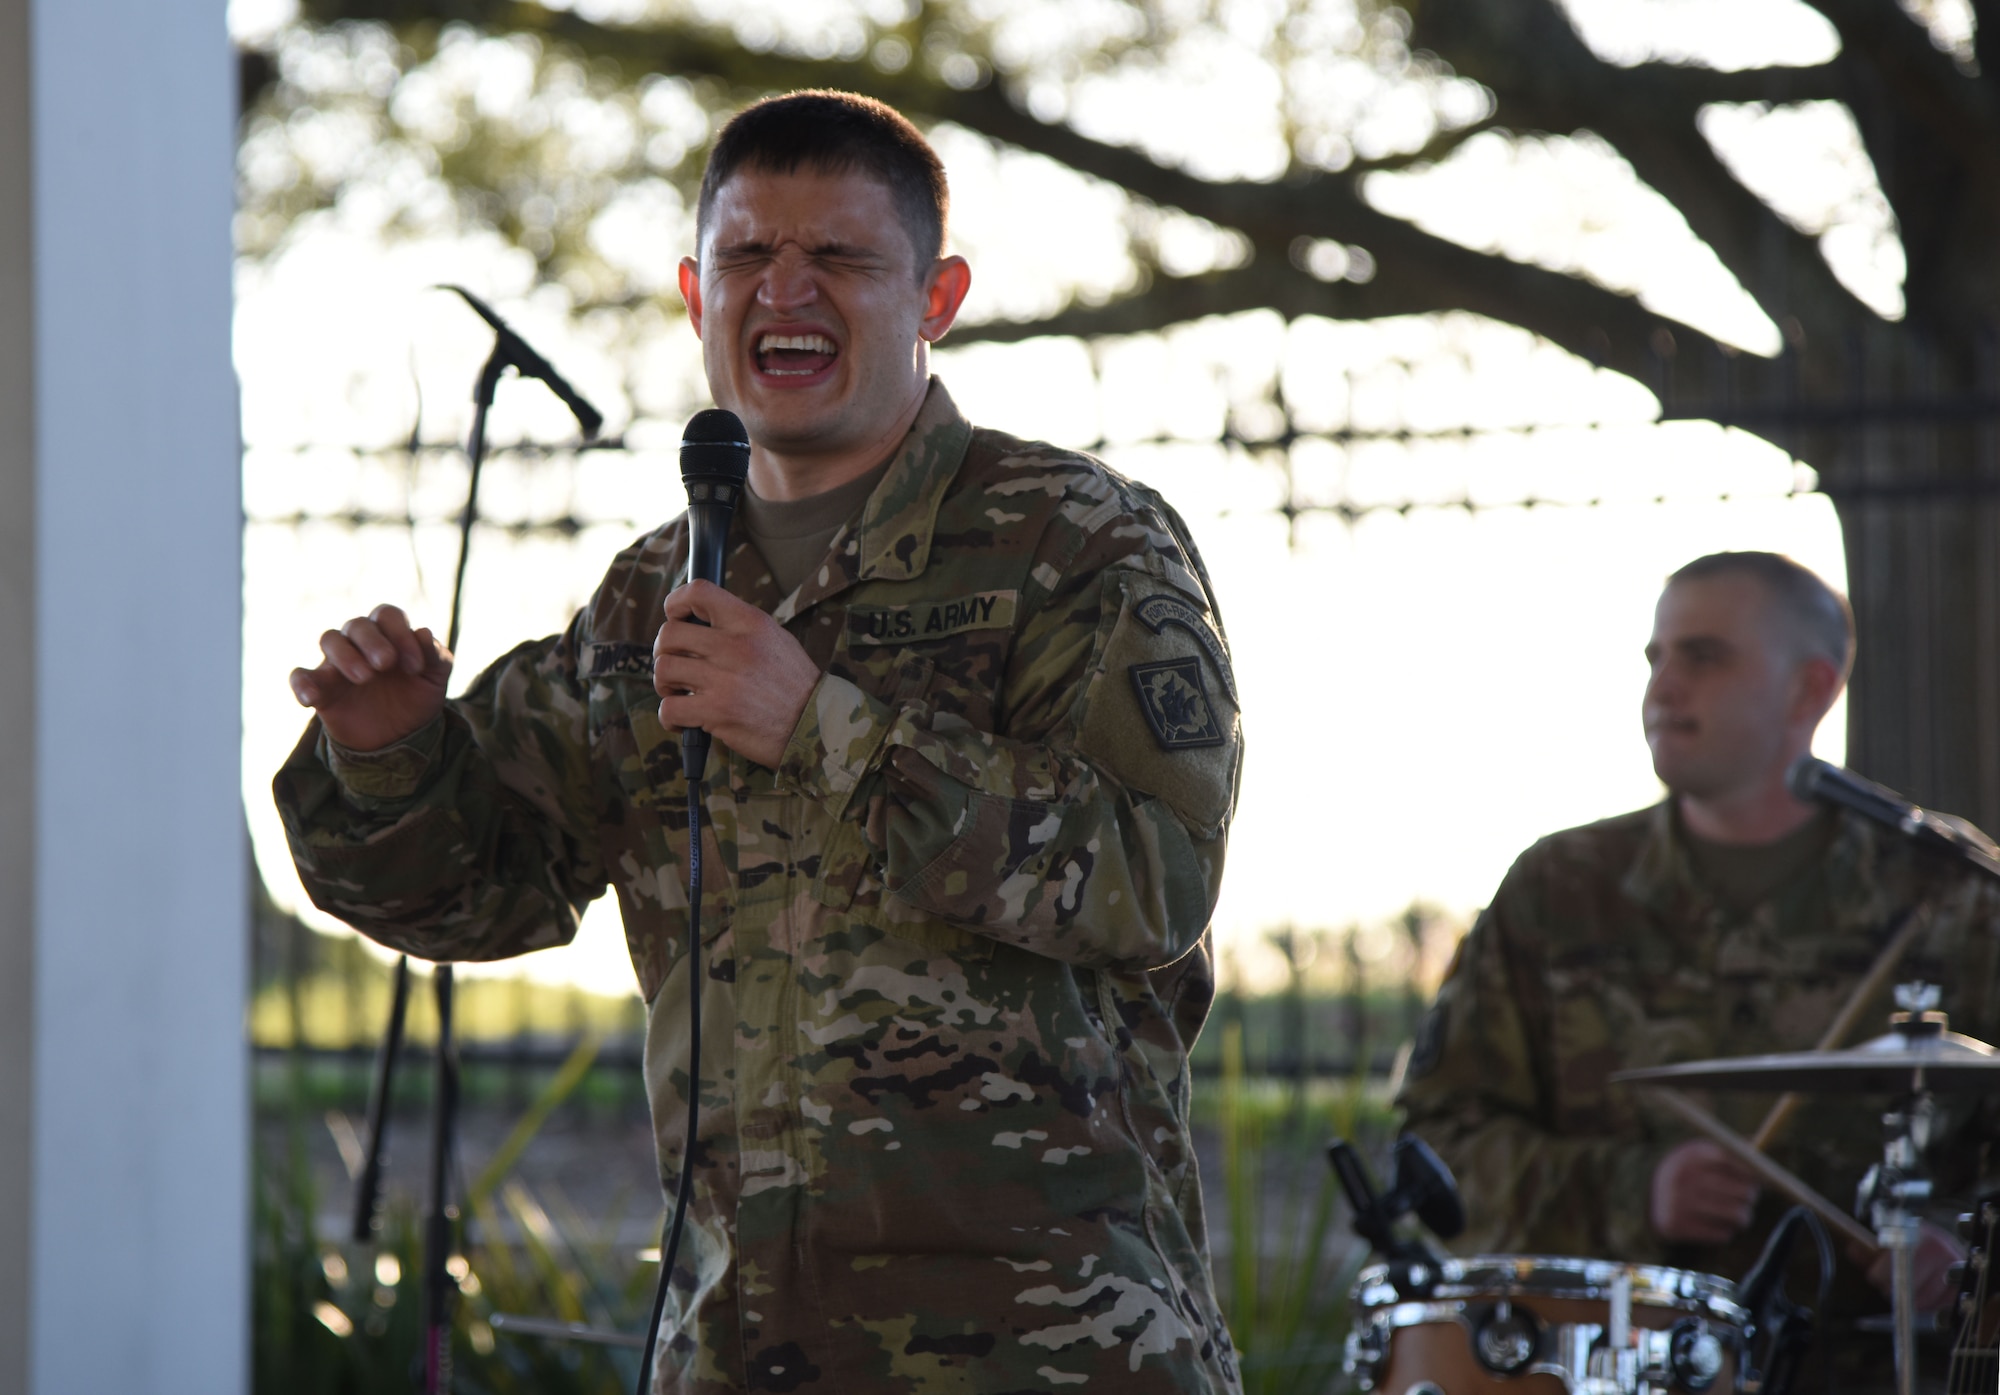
(715, 463)
(1820, 781)
(529, 364)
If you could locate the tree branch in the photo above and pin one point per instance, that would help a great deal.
(1172, 300)
(1545, 77)
(1423, 275)
(1957, 113)
(1436, 148)
(1683, 85)
(1417, 272)
(1536, 55)
(1986, 42)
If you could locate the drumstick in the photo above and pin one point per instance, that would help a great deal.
(1745, 1152)
(1915, 921)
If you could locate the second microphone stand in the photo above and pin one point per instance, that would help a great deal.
(437, 1286)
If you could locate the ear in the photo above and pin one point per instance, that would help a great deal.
(944, 291)
(1816, 684)
(690, 278)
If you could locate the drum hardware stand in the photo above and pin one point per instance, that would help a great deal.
(1893, 1188)
(438, 1287)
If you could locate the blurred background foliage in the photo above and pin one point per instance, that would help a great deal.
(561, 133)
(1316, 158)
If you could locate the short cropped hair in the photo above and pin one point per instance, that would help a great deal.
(1817, 615)
(833, 132)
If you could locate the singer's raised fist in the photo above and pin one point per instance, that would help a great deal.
(379, 682)
(741, 676)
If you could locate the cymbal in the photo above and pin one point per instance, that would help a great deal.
(1892, 1064)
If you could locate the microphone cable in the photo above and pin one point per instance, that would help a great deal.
(693, 760)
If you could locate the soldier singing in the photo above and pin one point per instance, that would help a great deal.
(977, 747)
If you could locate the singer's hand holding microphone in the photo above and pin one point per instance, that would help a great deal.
(721, 665)
(738, 674)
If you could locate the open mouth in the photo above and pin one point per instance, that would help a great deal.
(794, 355)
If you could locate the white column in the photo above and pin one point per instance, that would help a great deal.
(124, 1121)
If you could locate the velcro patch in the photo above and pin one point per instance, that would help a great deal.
(607, 660)
(927, 620)
(1175, 704)
(1158, 612)
(1157, 715)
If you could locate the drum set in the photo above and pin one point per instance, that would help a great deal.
(1539, 1325)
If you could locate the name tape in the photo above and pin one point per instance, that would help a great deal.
(922, 620)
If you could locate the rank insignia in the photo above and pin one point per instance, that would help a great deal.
(1176, 704)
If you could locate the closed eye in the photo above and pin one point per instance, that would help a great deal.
(847, 256)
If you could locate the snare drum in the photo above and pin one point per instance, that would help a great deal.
(1535, 1325)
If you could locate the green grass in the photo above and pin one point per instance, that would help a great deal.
(335, 1318)
(331, 1317)
(1287, 1309)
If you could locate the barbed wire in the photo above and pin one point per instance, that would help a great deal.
(1292, 508)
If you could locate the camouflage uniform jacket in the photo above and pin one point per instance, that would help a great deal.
(955, 946)
(1601, 952)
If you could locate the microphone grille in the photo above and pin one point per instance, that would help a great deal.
(715, 458)
(1804, 778)
(715, 426)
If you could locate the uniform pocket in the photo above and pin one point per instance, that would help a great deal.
(896, 677)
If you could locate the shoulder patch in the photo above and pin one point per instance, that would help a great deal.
(1175, 704)
(1158, 612)
(607, 660)
(1158, 714)
(1428, 1049)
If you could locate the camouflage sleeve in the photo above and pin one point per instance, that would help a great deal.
(1083, 830)
(472, 839)
(1476, 1092)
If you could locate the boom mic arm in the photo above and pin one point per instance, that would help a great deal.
(515, 351)
(1818, 781)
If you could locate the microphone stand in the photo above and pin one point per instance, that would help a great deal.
(437, 1286)
(368, 1188)
(1813, 780)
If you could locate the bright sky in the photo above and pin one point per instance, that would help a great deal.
(1426, 692)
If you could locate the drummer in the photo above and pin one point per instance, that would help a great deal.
(1729, 919)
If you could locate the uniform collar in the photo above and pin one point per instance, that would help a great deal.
(892, 540)
(1662, 878)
